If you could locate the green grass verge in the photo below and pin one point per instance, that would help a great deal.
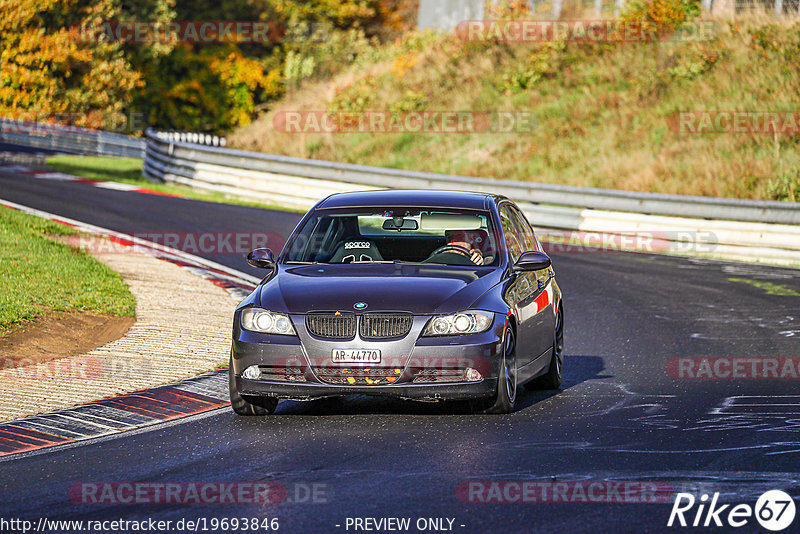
(605, 114)
(129, 171)
(38, 274)
(125, 170)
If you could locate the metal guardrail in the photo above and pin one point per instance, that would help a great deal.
(726, 228)
(739, 229)
(70, 139)
(77, 140)
(198, 164)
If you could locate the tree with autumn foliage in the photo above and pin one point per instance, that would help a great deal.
(55, 61)
(47, 67)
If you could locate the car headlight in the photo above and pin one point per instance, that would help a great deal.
(467, 322)
(266, 322)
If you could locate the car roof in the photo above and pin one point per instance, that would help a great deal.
(409, 197)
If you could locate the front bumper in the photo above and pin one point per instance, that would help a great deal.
(480, 351)
(315, 390)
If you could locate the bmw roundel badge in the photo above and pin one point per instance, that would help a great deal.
(360, 305)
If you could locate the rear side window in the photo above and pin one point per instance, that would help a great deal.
(511, 232)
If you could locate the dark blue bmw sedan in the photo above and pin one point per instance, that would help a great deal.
(427, 295)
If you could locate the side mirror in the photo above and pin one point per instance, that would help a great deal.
(532, 260)
(261, 258)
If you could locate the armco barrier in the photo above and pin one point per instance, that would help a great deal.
(739, 229)
(70, 139)
(730, 228)
(195, 162)
(76, 140)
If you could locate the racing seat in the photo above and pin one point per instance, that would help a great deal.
(356, 250)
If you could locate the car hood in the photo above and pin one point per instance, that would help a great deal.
(417, 288)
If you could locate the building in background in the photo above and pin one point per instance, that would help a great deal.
(446, 14)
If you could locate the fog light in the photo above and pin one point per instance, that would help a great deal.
(252, 372)
(472, 375)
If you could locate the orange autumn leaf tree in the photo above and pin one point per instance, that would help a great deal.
(48, 67)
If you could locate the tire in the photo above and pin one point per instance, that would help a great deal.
(552, 380)
(247, 404)
(507, 384)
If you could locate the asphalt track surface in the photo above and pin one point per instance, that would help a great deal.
(618, 417)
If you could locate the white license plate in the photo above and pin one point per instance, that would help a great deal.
(356, 356)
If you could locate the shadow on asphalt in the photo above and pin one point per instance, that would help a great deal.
(577, 369)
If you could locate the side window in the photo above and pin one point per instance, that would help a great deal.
(529, 239)
(514, 240)
(316, 244)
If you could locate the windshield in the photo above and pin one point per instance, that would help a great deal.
(406, 234)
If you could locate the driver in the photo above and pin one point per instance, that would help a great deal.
(461, 248)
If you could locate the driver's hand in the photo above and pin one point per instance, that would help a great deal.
(476, 257)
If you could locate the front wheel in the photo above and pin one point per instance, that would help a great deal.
(506, 381)
(247, 404)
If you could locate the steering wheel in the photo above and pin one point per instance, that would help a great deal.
(457, 249)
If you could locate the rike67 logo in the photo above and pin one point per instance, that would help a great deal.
(774, 511)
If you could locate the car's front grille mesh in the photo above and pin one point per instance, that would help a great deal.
(358, 376)
(385, 325)
(340, 325)
(282, 373)
(332, 325)
(438, 375)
